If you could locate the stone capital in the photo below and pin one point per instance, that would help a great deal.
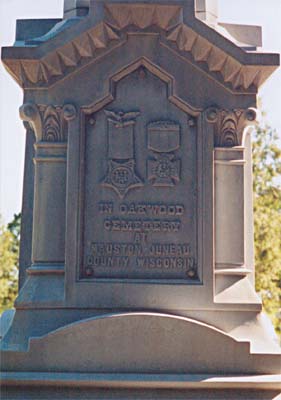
(230, 126)
(47, 120)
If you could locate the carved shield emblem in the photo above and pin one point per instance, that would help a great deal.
(163, 136)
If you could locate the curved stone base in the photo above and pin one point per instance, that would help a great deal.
(140, 343)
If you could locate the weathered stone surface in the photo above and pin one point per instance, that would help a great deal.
(141, 343)
(140, 261)
(237, 70)
(136, 234)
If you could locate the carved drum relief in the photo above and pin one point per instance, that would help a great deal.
(139, 209)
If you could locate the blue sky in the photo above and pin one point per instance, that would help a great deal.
(266, 13)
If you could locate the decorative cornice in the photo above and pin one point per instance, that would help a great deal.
(58, 63)
(238, 71)
(143, 16)
(231, 71)
(230, 125)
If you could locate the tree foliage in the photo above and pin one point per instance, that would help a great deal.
(267, 220)
(9, 253)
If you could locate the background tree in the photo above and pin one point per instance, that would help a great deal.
(9, 262)
(267, 220)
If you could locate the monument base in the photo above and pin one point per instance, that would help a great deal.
(138, 355)
(141, 386)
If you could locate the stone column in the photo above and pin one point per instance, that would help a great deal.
(48, 237)
(232, 219)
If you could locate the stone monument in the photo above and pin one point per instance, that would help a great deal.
(136, 264)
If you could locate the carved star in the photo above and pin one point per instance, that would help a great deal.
(121, 177)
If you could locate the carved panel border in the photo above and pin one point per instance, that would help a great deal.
(191, 112)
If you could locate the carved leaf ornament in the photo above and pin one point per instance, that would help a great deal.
(51, 125)
(230, 126)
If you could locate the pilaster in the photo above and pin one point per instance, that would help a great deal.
(50, 124)
(233, 269)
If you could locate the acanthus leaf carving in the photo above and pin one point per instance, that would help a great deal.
(47, 120)
(230, 126)
(52, 126)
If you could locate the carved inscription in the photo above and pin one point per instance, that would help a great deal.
(155, 256)
(124, 225)
(142, 253)
(140, 218)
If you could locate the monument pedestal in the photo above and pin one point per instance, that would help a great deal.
(140, 278)
(140, 354)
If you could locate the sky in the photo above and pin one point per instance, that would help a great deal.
(266, 13)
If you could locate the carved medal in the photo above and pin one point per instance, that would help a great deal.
(121, 175)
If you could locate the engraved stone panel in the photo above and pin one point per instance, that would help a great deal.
(138, 215)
